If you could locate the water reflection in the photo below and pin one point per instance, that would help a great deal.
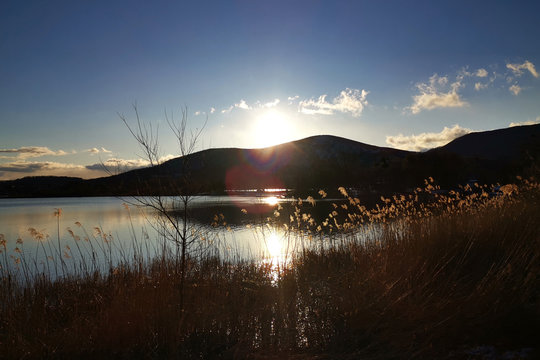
(274, 247)
(108, 231)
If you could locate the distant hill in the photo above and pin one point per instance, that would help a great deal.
(489, 156)
(500, 145)
(313, 163)
(40, 186)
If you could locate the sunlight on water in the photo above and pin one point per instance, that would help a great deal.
(101, 232)
(275, 246)
(277, 254)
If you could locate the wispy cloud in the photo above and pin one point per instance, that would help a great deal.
(350, 101)
(437, 93)
(425, 141)
(227, 110)
(528, 122)
(26, 152)
(517, 69)
(515, 89)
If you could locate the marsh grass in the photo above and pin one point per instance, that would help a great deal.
(423, 275)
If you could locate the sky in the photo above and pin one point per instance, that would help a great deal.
(406, 74)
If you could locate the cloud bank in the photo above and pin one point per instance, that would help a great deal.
(425, 141)
(26, 152)
(30, 167)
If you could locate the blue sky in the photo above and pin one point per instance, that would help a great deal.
(406, 74)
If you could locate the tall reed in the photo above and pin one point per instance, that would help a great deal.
(421, 275)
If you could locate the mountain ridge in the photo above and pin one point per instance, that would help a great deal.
(320, 161)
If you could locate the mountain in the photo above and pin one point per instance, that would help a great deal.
(313, 163)
(497, 145)
(489, 156)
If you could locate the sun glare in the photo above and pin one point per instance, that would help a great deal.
(271, 128)
(271, 200)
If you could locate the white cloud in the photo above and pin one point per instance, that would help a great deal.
(115, 165)
(481, 73)
(31, 152)
(437, 94)
(271, 103)
(167, 158)
(515, 89)
(229, 109)
(426, 141)
(528, 122)
(517, 69)
(349, 101)
(95, 150)
(292, 99)
(240, 105)
(479, 86)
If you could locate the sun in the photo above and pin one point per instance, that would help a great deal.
(271, 128)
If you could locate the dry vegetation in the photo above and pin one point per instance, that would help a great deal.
(424, 275)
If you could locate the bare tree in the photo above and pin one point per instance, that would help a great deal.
(169, 197)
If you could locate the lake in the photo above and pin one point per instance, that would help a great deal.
(112, 232)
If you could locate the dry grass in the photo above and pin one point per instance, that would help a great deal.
(420, 276)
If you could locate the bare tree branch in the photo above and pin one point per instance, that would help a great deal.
(173, 221)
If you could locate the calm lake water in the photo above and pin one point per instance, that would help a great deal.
(107, 230)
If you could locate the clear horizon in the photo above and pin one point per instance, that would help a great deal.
(411, 75)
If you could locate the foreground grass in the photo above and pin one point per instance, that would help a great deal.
(439, 281)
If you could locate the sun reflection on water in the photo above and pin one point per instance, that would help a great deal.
(274, 246)
(276, 256)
